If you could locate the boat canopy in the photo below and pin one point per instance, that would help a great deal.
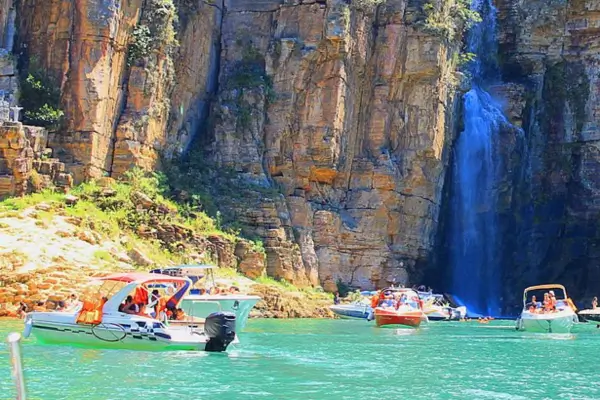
(548, 286)
(140, 277)
(134, 282)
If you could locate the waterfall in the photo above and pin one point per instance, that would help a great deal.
(474, 231)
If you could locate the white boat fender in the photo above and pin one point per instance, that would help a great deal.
(28, 326)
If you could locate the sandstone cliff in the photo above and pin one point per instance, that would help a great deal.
(324, 127)
(346, 111)
(342, 108)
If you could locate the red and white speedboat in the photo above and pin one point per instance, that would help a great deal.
(408, 314)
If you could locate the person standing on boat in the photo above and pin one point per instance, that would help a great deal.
(594, 303)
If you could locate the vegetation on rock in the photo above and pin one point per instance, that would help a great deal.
(40, 98)
(106, 224)
(249, 75)
(365, 5)
(217, 193)
(138, 206)
(449, 20)
(155, 31)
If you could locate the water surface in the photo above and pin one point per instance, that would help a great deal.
(326, 359)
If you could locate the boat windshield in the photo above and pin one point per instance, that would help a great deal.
(537, 294)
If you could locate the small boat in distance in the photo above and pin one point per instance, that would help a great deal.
(408, 313)
(438, 308)
(359, 309)
(534, 318)
(201, 305)
(103, 322)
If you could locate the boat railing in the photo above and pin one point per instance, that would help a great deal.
(14, 347)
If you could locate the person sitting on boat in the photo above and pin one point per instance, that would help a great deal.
(129, 307)
(402, 300)
(549, 305)
(594, 303)
(179, 314)
(375, 300)
(388, 301)
(533, 305)
(553, 301)
(60, 305)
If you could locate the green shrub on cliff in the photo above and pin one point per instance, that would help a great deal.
(365, 5)
(155, 31)
(449, 20)
(40, 99)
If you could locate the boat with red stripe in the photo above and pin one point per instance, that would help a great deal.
(400, 308)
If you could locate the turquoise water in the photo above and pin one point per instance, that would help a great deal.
(326, 359)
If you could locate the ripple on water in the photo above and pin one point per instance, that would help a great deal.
(306, 359)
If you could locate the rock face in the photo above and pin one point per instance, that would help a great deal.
(549, 192)
(25, 164)
(338, 115)
(344, 109)
(347, 113)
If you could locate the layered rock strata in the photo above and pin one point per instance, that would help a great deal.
(344, 108)
(26, 163)
(347, 112)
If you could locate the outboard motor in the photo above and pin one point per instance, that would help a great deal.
(220, 329)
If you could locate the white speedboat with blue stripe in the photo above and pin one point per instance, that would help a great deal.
(103, 322)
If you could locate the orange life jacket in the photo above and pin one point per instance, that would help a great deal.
(374, 301)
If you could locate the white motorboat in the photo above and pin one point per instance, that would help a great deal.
(535, 319)
(359, 309)
(591, 315)
(437, 308)
(101, 323)
(201, 305)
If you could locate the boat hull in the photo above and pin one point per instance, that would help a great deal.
(201, 306)
(351, 311)
(135, 333)
(560, 322)
(590, 315)
(82, 337)
(392, 318)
